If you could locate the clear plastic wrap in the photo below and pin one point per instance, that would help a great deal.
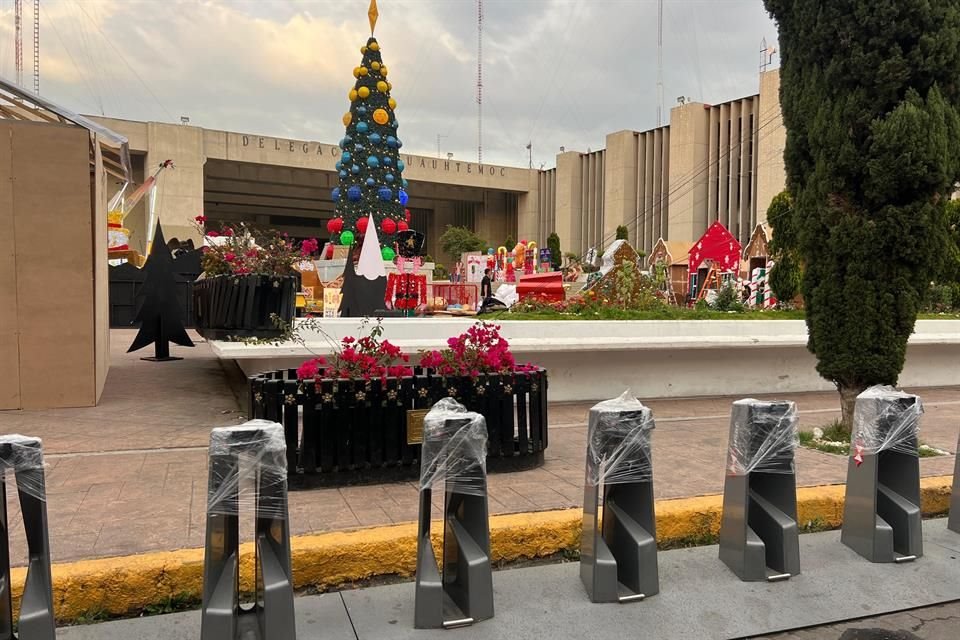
(885, 419)
(454, 449)
(618, 442)
(248, 470)
(763, 436)
(19, 454)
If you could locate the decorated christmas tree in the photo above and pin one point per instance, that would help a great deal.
(370, 168)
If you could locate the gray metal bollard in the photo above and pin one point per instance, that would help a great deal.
(454, 457)
(24, 457)
(759, 537)
(881, 515)
(250, 454)
(953, 522)
(618, 549)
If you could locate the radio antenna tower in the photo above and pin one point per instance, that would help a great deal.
(18, 39)
(659, 63)
(479, 81)
(36, 47)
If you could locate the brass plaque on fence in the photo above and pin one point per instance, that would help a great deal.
(415, 425)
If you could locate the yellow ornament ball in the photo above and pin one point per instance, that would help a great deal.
(364, 71)
(392, 103)
(363, 92)
(382, 87)
(363, 49)
(380, 116)
(383, 69)
(352, 95)
(374, 46)
(389, 86)
(356, 72)
(347, 117)
(375, 65)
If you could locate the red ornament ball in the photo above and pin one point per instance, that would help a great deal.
(402, 226)
(388, 226)
(335, 225)
(362, 225)
(406, 215)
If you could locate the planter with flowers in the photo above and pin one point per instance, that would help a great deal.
(348, 417)
(249, 284)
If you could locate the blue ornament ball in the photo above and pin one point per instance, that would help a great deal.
(354, 169)
(391, 142)
(375, 138)
(358, 147)
(343, 173)
(387, 160)
(371, 182)
(339, 165)
(400, 165)
(388, 177)
(403, 197)
(385, 194)
(335, 194)
(373, 162)
(362, 127)
(362, 110)
(346, 156)
(354, 193)
(405, 183)
(399, 143)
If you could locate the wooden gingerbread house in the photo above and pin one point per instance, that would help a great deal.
(675, 256)
(756, 255)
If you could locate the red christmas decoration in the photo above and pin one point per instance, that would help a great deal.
(388, 226)
(362, 224)
(406, 215)
(402, 226)
(718, 245)
(335, 225)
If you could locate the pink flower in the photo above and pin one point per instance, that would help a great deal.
(229, 257)
(213, 234)
(228, 232)
(201, 219)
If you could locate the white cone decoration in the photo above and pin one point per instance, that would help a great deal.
(370, 264)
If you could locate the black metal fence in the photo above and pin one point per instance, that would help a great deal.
(241, 306)
(354, 431)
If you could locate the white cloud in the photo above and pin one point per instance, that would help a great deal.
(559, 72)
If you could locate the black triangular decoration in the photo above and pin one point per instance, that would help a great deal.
(361, 297)
(159, 310)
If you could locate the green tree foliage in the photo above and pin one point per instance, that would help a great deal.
(456, 241)
(510, 243)
(786, 274)
(870, 98)
(556, 258)
(623, 233)
(370, 167)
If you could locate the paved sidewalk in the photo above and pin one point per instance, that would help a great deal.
(129, 475)
(699, 599)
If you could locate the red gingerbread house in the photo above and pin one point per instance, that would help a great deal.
(716, 251)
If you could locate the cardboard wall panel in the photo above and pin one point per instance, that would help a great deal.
(53, 228)
(9, 341)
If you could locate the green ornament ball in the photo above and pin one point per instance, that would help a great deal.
(346, 238)
(387, 253)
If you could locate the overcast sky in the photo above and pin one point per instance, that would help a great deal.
(556, 72)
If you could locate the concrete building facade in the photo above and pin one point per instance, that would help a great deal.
(711, 162)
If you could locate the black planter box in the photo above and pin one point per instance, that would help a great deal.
(355, 431)
(241, 306)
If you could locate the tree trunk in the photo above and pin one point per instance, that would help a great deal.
(848, 400)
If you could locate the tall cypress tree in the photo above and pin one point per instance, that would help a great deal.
(870, 91)
(370, 167)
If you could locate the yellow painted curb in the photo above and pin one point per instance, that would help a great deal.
(120, 586)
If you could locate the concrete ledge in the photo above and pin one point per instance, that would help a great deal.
(128, 585)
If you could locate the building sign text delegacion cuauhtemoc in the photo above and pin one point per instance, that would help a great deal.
(320, 150)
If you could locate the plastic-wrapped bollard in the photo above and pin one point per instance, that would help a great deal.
(618, 550)
(881, 515)
(454, 459)
(953, 522)
(23, 457)
(759, 537)
(248, 472)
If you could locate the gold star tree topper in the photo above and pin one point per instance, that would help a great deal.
(373, 14)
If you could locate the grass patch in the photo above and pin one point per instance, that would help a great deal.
(664, 313)
(836, 440)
